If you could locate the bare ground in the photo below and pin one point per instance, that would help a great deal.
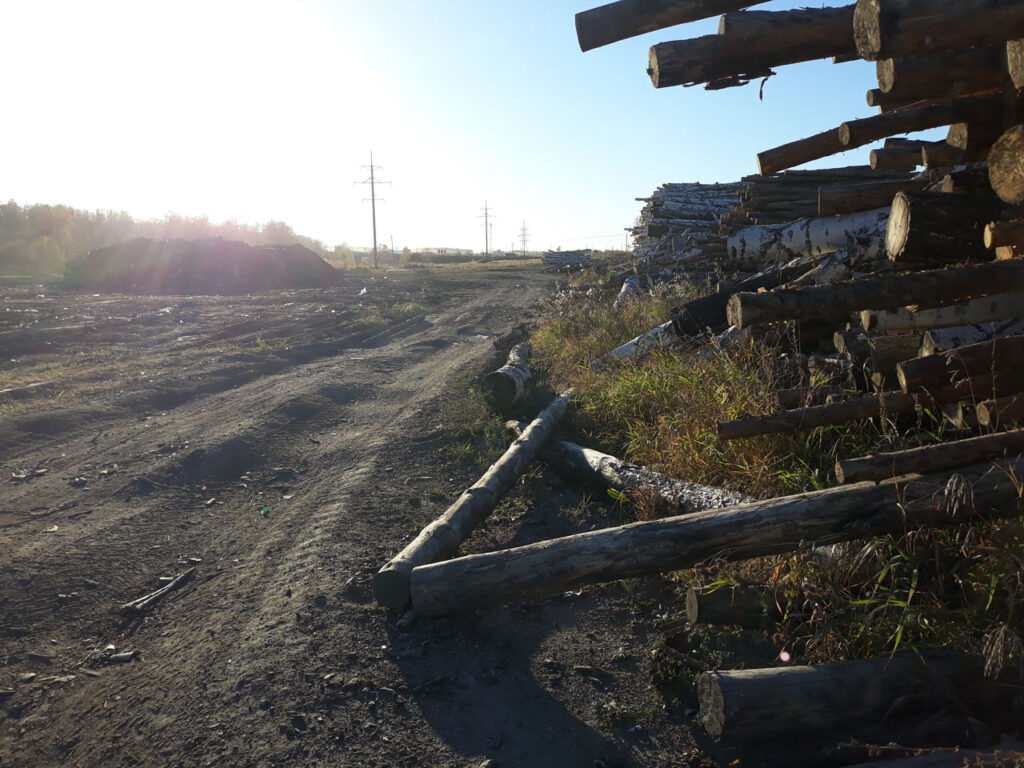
(286, 451)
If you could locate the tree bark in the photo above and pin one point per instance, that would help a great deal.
(442, 538)
(657, 338)
(969, 180)
(630, 288)
(750, 43)
(930, 458)
(884, 352)
(1006, 166)
(510, 383)
(628, 18)
(749, 607)
(905, 156)
(987, 309)
(1003, 233)
(929, 288)
(940, 154)
(943, 75)
(890, 28)
(754, 705)
(802, 397)
(1001, 354)
(807, 237)
(932, 228)
(799, 152)
(741, 532)
(848, 198)
(857, 133)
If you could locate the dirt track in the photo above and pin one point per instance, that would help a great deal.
(290, 455)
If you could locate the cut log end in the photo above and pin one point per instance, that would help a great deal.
(1015, 62)
(898, 227)
(712, 704)
(653, 67)
(1006, 166)
(885, 69)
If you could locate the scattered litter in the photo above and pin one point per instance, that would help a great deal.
(148, 601)
(52, 529)
(265, 511)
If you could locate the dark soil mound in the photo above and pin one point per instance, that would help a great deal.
(214, 266)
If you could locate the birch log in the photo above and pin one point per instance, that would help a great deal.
(659, 337)
(888, 28)
(510, 383)
(621, 20)
(809, 237)
(930, 288)
(442, 538)
(630, 288)
(1001, 306)
(751, 530)
(930, 458)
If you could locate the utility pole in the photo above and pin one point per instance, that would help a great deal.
(523, 235)
(486, 216)
(373, 181)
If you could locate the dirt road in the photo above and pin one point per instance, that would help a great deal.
(285, 452)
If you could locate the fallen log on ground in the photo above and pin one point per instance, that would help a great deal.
(802, 397)
(933, 228)
(750, 43)
(510, 383)
(146, 602)
(1006, 166)
(926, 289)
(630, 288)
(930, 458)
(749, 607)
(987, 309)
(442, 537)
(998, 354)
(882, 405)
(889, 28)
(755, 705)
(621, 20)
(742, 532)
(657, 338)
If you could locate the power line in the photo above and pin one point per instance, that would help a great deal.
(373, 181)
(523, 235)
(486, 216)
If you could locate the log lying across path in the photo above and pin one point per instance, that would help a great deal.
(442, 537)
(510, 383)
(930, 458)
(628, 18)
(926, 289)
(753, 705)
(750, 530)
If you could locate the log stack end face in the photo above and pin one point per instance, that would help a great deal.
(867, 29)
(1006, 166)
(712, 704)
(898, 226)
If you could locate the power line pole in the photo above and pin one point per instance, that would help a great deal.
(523, 235)
(486, 216)
(373, 181)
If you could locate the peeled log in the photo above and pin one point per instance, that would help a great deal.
(510, 383)
(1006, 166)
(750, 43)
(628, 18)
(889, 28)
(807, 237)
(742, 532)
(936, 228)
(755, 705)
(442, 538)
(999, 354)
(987, 309)
(928, 288)
(930, 458)
(857, 133)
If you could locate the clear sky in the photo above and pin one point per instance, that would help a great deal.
(257, 110)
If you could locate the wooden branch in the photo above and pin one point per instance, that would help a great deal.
(750, 43)
(510, 383)
(747, 706)
(741, 532)
(999, 354)
(442, 537)
(857, 133)
(146, 602)
(628, 18)
(848, 198)
(1006, 166)
(930, 458)
(1002, 306)
(929, 288)
(889, 28)
(933, 228)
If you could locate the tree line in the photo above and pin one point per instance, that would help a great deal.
(45, 239)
